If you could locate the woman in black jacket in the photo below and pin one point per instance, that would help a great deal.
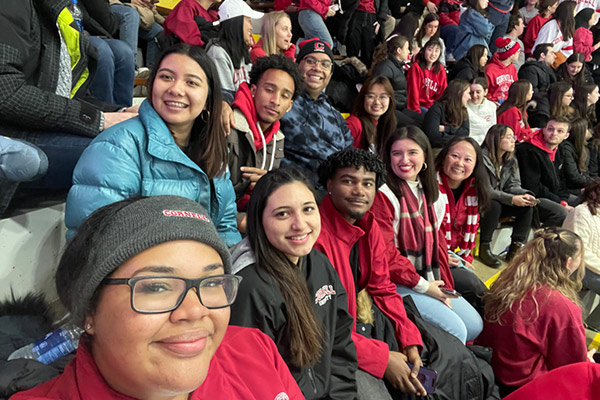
(448, 117)
(291, 292)
(389, 61)
(471, 66)
(574, 155)
(508, 197)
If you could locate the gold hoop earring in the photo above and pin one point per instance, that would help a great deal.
(424, 167)
(205, 116)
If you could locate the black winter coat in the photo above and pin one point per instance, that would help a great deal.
(260, 305)
(431, 126)
(393, 69)
(464, 70)
(541, 77)
(538, 173)
(570, 176)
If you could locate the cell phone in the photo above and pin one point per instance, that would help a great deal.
(596, 357)
(450, 292)
(536, 201)
(427, 377)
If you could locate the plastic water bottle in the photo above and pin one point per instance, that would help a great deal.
(53, 346)
(77, 15)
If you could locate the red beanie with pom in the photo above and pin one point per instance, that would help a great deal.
(506, 47)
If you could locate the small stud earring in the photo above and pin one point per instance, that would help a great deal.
(88, 326)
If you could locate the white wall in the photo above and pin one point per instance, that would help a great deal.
(30, 247)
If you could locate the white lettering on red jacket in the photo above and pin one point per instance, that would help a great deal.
(282, 396)
(431, 85)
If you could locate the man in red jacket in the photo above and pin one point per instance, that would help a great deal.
(353, 242)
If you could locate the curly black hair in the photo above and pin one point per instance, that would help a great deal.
(277, 61)
(351, 157)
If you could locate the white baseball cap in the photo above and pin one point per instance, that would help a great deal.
(235, 8)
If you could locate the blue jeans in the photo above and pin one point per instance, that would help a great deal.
(21, 161)
(500, 21)
(313, 26)
(462, 320)
(113, 80)
(130, 32)
(62, 150)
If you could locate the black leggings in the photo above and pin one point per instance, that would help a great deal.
(489, 221)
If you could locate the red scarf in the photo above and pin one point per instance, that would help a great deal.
(415, 232)
(461, 218)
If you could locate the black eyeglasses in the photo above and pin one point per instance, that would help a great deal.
(160, 294)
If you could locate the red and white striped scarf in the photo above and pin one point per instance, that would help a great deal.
(461, 218)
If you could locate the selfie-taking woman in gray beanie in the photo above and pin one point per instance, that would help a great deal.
(148, 280)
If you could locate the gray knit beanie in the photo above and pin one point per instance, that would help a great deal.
(124, 233)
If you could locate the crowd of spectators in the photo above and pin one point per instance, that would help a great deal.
(464, 114)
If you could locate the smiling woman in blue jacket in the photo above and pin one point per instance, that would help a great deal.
(176, 146)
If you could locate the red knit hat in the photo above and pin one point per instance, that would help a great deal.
(506, 47)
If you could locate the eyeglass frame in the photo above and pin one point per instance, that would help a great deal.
(189, 284)
(382, 97)
(315, 62)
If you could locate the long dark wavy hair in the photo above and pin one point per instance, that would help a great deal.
(580, 102)
(421, 32)
(563, 72)
(451, 101)
(482, 181)
(387, 122)
(556, 93)
(492, 140)
(566, 20)
(474, 55)
(208, 144)
(577, 137)
(303, 326)
(517, 97)
(426, 175)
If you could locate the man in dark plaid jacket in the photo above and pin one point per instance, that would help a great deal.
(45, 69)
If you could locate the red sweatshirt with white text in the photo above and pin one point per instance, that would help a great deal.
(424, 86)
(499, 77)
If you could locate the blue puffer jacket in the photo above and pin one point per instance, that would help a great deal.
(140, 157)
(474, 29)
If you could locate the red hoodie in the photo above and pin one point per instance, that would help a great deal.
(512, 117)
(180, 21)
(425, 86)
(246, 366)
(499, 77)
(537, 139)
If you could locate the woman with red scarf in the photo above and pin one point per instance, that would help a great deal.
(404, 210)
(464, 194)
